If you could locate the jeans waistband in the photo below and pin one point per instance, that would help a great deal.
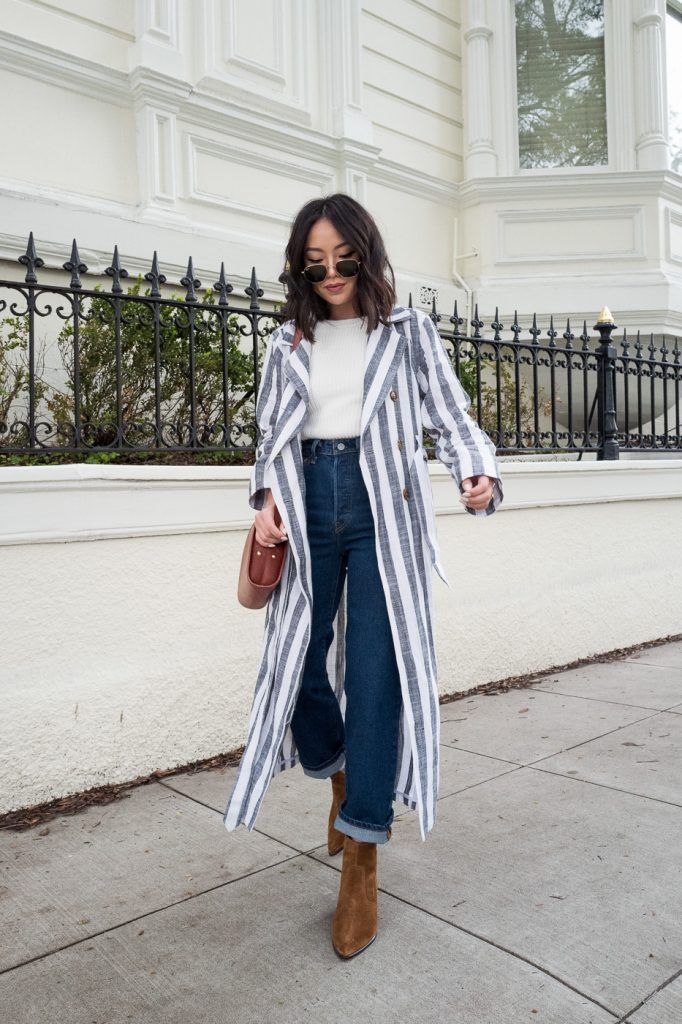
(330, 445)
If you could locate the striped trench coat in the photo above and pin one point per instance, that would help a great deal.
(409, 386)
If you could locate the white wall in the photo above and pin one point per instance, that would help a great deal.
(200, 126)
(124, 649)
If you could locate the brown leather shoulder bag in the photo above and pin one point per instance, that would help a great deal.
(261, 567)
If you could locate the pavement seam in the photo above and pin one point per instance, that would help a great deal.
(259, 831)
(604, 785)
(150, 913)
(659, 988)
(602, 700)
(214, 810)
(649, 664)
(562, 750)
(487, 941)
(599, 736)
(474, 785)
(561, 775)
(296, 852)
(493, 757)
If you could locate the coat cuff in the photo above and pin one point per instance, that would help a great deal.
(259, 484)
(497, 497)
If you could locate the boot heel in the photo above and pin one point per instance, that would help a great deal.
(354, 926)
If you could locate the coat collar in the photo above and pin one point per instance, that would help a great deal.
(383, 354)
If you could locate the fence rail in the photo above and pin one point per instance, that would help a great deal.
(130, 371)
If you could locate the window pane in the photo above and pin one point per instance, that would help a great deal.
(673, 46)
(560, 83)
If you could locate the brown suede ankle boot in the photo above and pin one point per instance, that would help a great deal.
(334, 837)
(354, 926)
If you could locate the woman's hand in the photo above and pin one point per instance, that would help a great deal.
(476, 492)
(267, 532)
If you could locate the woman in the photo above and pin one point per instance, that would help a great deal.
(347, 683)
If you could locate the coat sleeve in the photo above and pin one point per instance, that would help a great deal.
(461, 445)
(267, 407)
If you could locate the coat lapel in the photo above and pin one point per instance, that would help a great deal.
(383, 354)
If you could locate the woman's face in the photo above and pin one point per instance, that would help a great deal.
(325, 246)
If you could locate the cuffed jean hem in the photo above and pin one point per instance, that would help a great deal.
(327, 770)
(363, 834)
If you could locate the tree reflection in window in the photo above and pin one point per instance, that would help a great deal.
(561, 83)
(673, 34)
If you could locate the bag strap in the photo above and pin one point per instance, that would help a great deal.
(297, 338)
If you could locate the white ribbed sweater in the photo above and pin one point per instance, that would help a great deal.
(337, 364)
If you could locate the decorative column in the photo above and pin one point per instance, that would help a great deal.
(156, 74)
(480, 154)
(349, 120)
(339, 21)
(651, 115)
(157, 37)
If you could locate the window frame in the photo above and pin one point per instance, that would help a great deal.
(606, 168)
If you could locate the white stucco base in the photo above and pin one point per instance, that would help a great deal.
(124, 649)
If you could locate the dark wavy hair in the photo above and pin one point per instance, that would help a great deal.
(375, 294)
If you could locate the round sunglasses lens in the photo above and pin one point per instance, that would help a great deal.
(347, 268)
(315, 273)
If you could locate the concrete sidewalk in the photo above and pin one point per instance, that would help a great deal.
(549, 890)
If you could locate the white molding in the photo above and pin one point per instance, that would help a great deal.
(354, 183)
(231, 114)
(557, 254)
(159, 31)
(406, 181)
(86, 502)
(659, 184)
(135, 250)
(340, 22)
(195, 145)
(162, 139)
(672, 217)
(31, 59)
(162, 21)
(294, 42)
(158, 82)
(229, 52)
(150, 87)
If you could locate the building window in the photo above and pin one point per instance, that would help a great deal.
(561, 84)
(673, 47)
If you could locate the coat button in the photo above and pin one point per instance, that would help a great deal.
(393, 393)
(406, 492)
(400, 444)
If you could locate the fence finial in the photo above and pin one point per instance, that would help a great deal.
(605, 316)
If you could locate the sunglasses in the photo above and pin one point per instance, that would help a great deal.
(316, 272)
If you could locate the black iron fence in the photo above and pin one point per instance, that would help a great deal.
(95, 370)
(588, 393)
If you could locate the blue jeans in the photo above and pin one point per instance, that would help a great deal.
(341, 535)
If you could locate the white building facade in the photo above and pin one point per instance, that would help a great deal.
(509, 162)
